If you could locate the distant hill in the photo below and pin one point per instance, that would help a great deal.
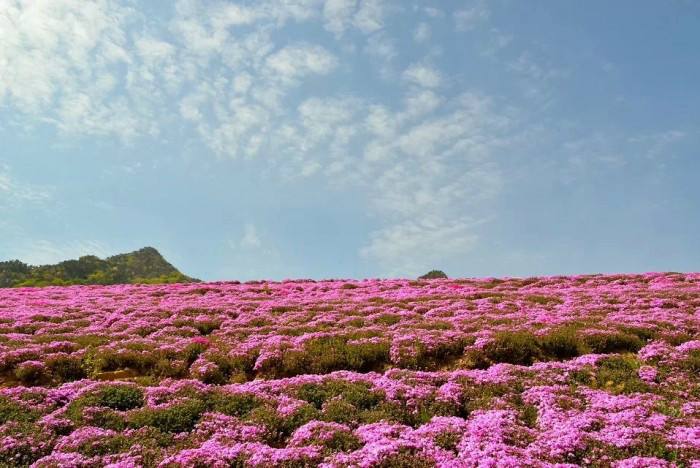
(146, 265)
(434, 274)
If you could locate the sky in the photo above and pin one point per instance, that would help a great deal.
(277, 139)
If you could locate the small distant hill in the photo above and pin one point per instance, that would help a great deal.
(146, 265)
(433, 274)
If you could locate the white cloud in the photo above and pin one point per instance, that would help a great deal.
(658, 145)
(471, 17)
(383, 49)
(434, 12)
(298, 61)
(416, 246)
(423, 75)
(420, 103)
(425, 162)
(16, 194)
(370, 16)
(496, 41)
(56, 54)
(422, 33)
(434, 182)
(365, 15)
(337, 14)
(250, 239)
(603, 151)
(380, 122)
(526, 65)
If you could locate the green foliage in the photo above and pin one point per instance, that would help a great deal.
(145, 266)
(339, 441)
(234, 404)
(616, 342)
(692, 362)
(359, 395)
(66, 368)
(206, 328)
(11, 411)
(434, 274)
(121, 397)
(279, 427)
(563, 343)
(514, 348)
(543, 300)
(140, 362)
(406, 458)
(109, 400)
(388, 319)
(180, 417)
(340, 411)
(448, 440)
(31, 375)
(328, 354)
(12, 272)
(619, 374)
(23, 444)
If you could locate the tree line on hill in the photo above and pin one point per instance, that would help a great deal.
(144, 266)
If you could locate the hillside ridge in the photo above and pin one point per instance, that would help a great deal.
(145, 265)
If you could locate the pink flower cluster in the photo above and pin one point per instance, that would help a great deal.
(598, 370)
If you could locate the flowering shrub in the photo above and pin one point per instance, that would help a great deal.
(554, 371)
(31, 372)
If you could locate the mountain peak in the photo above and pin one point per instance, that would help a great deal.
(145, 265)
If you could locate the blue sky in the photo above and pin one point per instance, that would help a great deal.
(353, 138)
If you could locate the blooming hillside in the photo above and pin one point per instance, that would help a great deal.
(558, 371)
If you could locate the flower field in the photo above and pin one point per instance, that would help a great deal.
(554, 371)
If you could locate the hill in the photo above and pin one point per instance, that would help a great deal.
(146, 265)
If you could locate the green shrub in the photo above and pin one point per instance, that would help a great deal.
(32, 373)
(406, 458)
(111, 399)
(360, 395)
(616, 342)
(108, 361)
(692, 362)
(655, 445)
(169, 368)
(340, 442)
(116, 443)
(543, 300)
(427, 410)
(328, 354)
(643, 333)
(11, 411)
(120, 397)
(23, 444)
(66, 368)
(481, 396)
(234, 404)
(434, 274)
(180, 417)
(388, 319)
(563, 343)
(340, 411)
(356, 322)
(448, 441)
(528, 414)
(207, 327)
(514, 348)
(619, 374)
(192, 352)
(279, 427)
